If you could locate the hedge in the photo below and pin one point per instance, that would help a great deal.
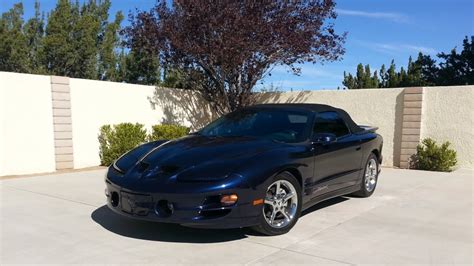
(115, 140)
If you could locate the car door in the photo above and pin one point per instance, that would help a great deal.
(336, 163)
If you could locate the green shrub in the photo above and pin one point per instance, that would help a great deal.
(167, 132)
(118, 139)
(432, 157)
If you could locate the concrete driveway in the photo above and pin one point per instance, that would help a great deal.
(414, 217)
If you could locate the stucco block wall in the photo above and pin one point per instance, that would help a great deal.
(36, 110)
(26, 124)
(95, 103)
(381, 108)
(448, 115)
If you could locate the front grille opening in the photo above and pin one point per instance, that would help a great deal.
(142, 212)
(114, 199)
(164, 208)
(211, 214)
(212, 200)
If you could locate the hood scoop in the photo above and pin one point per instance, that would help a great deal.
(157, 171)
(142, 166)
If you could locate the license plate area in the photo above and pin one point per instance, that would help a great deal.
(137, 204)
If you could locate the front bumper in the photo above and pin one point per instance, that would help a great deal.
(198, 209)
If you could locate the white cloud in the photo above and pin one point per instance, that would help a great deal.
(314, 72)
(395, 17)
(423, 49)
(311, 78)
(307, 71)
(393, 48)
(287, 84)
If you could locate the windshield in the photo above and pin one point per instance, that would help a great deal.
(279, 125)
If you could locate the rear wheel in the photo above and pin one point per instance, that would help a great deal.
(282, 205)
(370, 177)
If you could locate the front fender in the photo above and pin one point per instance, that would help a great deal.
(260, 169)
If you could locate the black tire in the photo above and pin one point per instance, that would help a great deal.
(364, 192)
(264, 227)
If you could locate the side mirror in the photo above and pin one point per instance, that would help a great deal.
(324, 138)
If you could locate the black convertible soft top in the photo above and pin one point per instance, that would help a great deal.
(314, 108)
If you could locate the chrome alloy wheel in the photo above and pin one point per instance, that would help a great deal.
(370, 175)
(281, 204)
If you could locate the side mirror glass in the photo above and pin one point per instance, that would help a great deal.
(324, 138)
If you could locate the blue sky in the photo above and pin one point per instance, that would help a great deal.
(378, 31)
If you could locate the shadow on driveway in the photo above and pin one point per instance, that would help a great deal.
(176, 233)
(323, 205)
(161, 231)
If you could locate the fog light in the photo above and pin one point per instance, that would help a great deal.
(229, 199)
(164, 208)
(170, 207)
(114, 199)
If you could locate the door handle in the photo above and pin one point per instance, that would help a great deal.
(358, 148)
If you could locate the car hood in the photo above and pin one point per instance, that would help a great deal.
(198, 158)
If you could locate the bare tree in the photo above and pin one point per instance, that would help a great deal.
(223, 48)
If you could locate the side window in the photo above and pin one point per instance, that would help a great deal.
(330, 122)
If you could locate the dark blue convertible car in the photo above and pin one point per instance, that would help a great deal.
(257, 167)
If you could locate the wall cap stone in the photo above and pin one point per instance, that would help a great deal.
(59, 80)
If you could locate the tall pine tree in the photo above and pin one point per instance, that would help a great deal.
(428, 69)
(109, 58)
(458, 68)
(13, 42)
(59, 46)
(363, 79)
(34, 33)
(454, 69)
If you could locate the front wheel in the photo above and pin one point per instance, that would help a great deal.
(282, 205)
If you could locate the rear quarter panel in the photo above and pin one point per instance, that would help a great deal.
(370, 142)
